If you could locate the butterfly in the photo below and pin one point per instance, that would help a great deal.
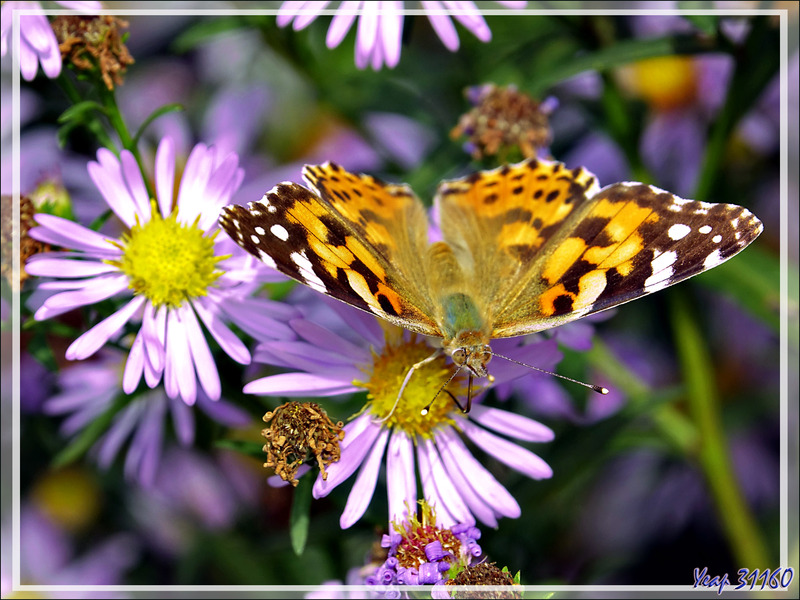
(525, 247)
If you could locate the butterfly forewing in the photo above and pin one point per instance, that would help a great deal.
(305, 237)
(626, 241)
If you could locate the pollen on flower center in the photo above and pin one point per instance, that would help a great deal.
(168, 261)
(389, 369)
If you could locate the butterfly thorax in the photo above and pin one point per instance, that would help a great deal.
(466, 338)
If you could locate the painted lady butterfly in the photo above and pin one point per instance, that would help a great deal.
(526, 247)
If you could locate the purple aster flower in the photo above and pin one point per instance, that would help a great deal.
(380, 25)
(37, 41)
(171, 261)
(48, 556)
(194, 493)
(352, 352)
(90, 389)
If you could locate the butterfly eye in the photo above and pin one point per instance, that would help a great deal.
(459, 356)
(487, 353)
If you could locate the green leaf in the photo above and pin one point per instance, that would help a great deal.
(204, 30)
(81, 444)
(163, 110)
(300, 518)
(706, 23)
(79, 111)
(254, 449)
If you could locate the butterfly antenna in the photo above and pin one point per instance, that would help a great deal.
(596, 388)
(425, 410)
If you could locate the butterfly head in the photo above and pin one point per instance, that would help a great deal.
(469, 349)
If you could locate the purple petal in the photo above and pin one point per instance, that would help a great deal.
(508, 453)
(367, 34)
(224, 412)
(41, 265)
(86, 6)
(443, 516)
(364, 487)
(442, 25)
(133, 177)
(249, 316)
(476, 504)
(288, 11)
(324, 338)
(182, 422)
(218, 191)
(360, 434)
(165, 175)
(91, 341)
(28, 60)
(204, 363)
(482, 481)
(107, 176)
(134, 366)
(36, 30)
(88, 292)
(230, 344)
(154, 334)
(512, 424)
(123, 424)
(294, 385)
(179, 372)
(470, 17)
(401, 480)
(391, 26)
(449, 495)
(66, 233)
(341, 23)
(145, 449)
(193, 182)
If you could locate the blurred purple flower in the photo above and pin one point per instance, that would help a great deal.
(37, 41)
(169, 258)
(48, 556)
(380, 25)
(353, 352)
(192, 493)
(89, 390)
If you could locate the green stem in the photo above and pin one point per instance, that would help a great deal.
(738, 522)
(74, 96)
(118, 123)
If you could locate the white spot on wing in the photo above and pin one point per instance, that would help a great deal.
(260, 230)
(679, 231)
(705, 229)
(256, 239)
(266, 259)
(716, 239)
(307, 271)
(662, 271)
(712, 260)
(279, 231)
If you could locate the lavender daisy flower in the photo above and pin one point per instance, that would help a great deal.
(173, 264)
(355, 352)
(380, 25)
(91, 389)
(37, 42)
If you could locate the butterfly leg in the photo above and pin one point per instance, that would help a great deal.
(407, 378)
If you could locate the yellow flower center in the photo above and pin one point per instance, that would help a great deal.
(167, 261)
(385, 377)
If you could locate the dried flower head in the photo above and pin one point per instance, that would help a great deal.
(297, 429)
(504, 121)
(484, 573)
(89, 42)
(27, 245)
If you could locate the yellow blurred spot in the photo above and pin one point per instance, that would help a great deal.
(666, 82)
(70, 497)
